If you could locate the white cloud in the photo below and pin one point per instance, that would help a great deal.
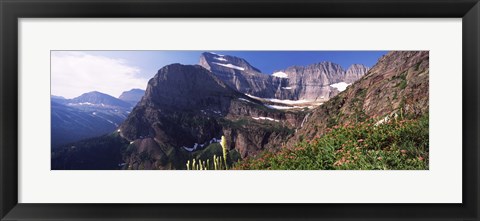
(75, 73)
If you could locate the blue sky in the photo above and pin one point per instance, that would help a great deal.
(111, 72)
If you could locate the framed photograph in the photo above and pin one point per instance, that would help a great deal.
(252, 110)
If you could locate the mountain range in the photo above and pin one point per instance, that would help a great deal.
(187, 108)
(315, 82)
(88, 115)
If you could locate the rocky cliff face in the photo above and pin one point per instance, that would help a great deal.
(317, 81)
(397, 84)
(355, 72)
(313, 82)
(186, 107)
(240, 75)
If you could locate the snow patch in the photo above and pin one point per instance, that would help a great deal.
(288, 101)
(281, 107)
(82, 103)
(220, 58)
(287, 88)
(341, 86)
(281, 101)
(215, 140)
(194, 148)
(265, 118)
(230, 66)
(243, 99)
(280, 74)
(221, 55)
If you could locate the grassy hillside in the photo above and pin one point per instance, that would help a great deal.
(400, 144)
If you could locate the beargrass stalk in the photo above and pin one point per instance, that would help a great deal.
(224, 148)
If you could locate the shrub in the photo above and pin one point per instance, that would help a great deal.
(400, 144)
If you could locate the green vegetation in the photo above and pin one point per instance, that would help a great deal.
(357, 105)
(400, 144)
(237, 124)
(402, 84)
(223, 161)
(100, 153)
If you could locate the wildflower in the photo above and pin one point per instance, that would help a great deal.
(361, 140)
(224, 148)
(379, 158)
(420, 158)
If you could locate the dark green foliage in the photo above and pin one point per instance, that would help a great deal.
(208, 152)
(101, 153)
(233, 124)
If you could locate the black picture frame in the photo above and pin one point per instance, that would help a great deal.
(12, 10)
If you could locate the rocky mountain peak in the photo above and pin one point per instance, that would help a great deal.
(132, 96)
(99, 98)
(355, 72)
(180, 86)
(225, 63)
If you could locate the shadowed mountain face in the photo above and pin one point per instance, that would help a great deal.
(172, 109)
(316, 82)
(187, 107)
(89, 115)
(70, 124)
